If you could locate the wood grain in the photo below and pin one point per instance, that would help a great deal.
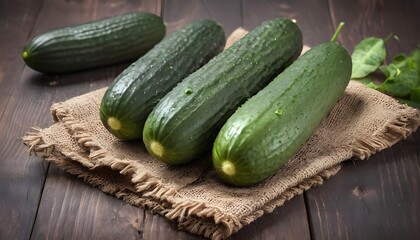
(379, 18)
(282, 223)
(16, 24)
(178, 13)
(158, 227)
(286, 222)
(312, 17)
(371, 199)
(21, 176)
(71, 209)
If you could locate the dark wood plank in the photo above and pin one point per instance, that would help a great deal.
(21, 176)
(379, 18)
(71, 12)
(29, 100)
(283, 223)
(276, 225)
(372, 199)
(377, 198)
(158, 227)
(178, 13)
(16, 23)
(20, 181)
(70, 209)
(312, 17)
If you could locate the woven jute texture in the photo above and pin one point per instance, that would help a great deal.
(362, 123)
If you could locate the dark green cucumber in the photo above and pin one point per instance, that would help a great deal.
(185, 122)
(272, 125)
(133, 94)
(94, 44)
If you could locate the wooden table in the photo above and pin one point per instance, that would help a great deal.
(374, 199)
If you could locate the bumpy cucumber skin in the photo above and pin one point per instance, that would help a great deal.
(94, 44)
(272, 125)
(185, 125)
(134, 93)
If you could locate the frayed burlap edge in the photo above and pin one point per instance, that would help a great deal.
(393, 132)
(149, 192)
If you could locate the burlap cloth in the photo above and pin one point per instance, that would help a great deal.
(363, 122)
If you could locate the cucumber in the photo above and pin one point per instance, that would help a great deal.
(185, 122)
(133, 94)
(94, 44)
(270, 127)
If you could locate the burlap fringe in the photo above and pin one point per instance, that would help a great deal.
(190, 215)
(145, 184)
(149, 192)
(393, 132)
(36, 144)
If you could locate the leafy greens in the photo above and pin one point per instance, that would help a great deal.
(368, 55)
(402, 75)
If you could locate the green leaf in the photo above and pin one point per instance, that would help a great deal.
(367, 56)
(401, 61)
(415, 95)
(400, 83)
(373, 85)
(402, 75)
(368, 82)
(390, 71)
(415, 55)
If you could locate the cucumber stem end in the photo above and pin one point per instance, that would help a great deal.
(337, 32)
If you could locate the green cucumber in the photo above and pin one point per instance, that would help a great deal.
(185, 122)
(133, 94)
(270, 127)
(94, 44)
